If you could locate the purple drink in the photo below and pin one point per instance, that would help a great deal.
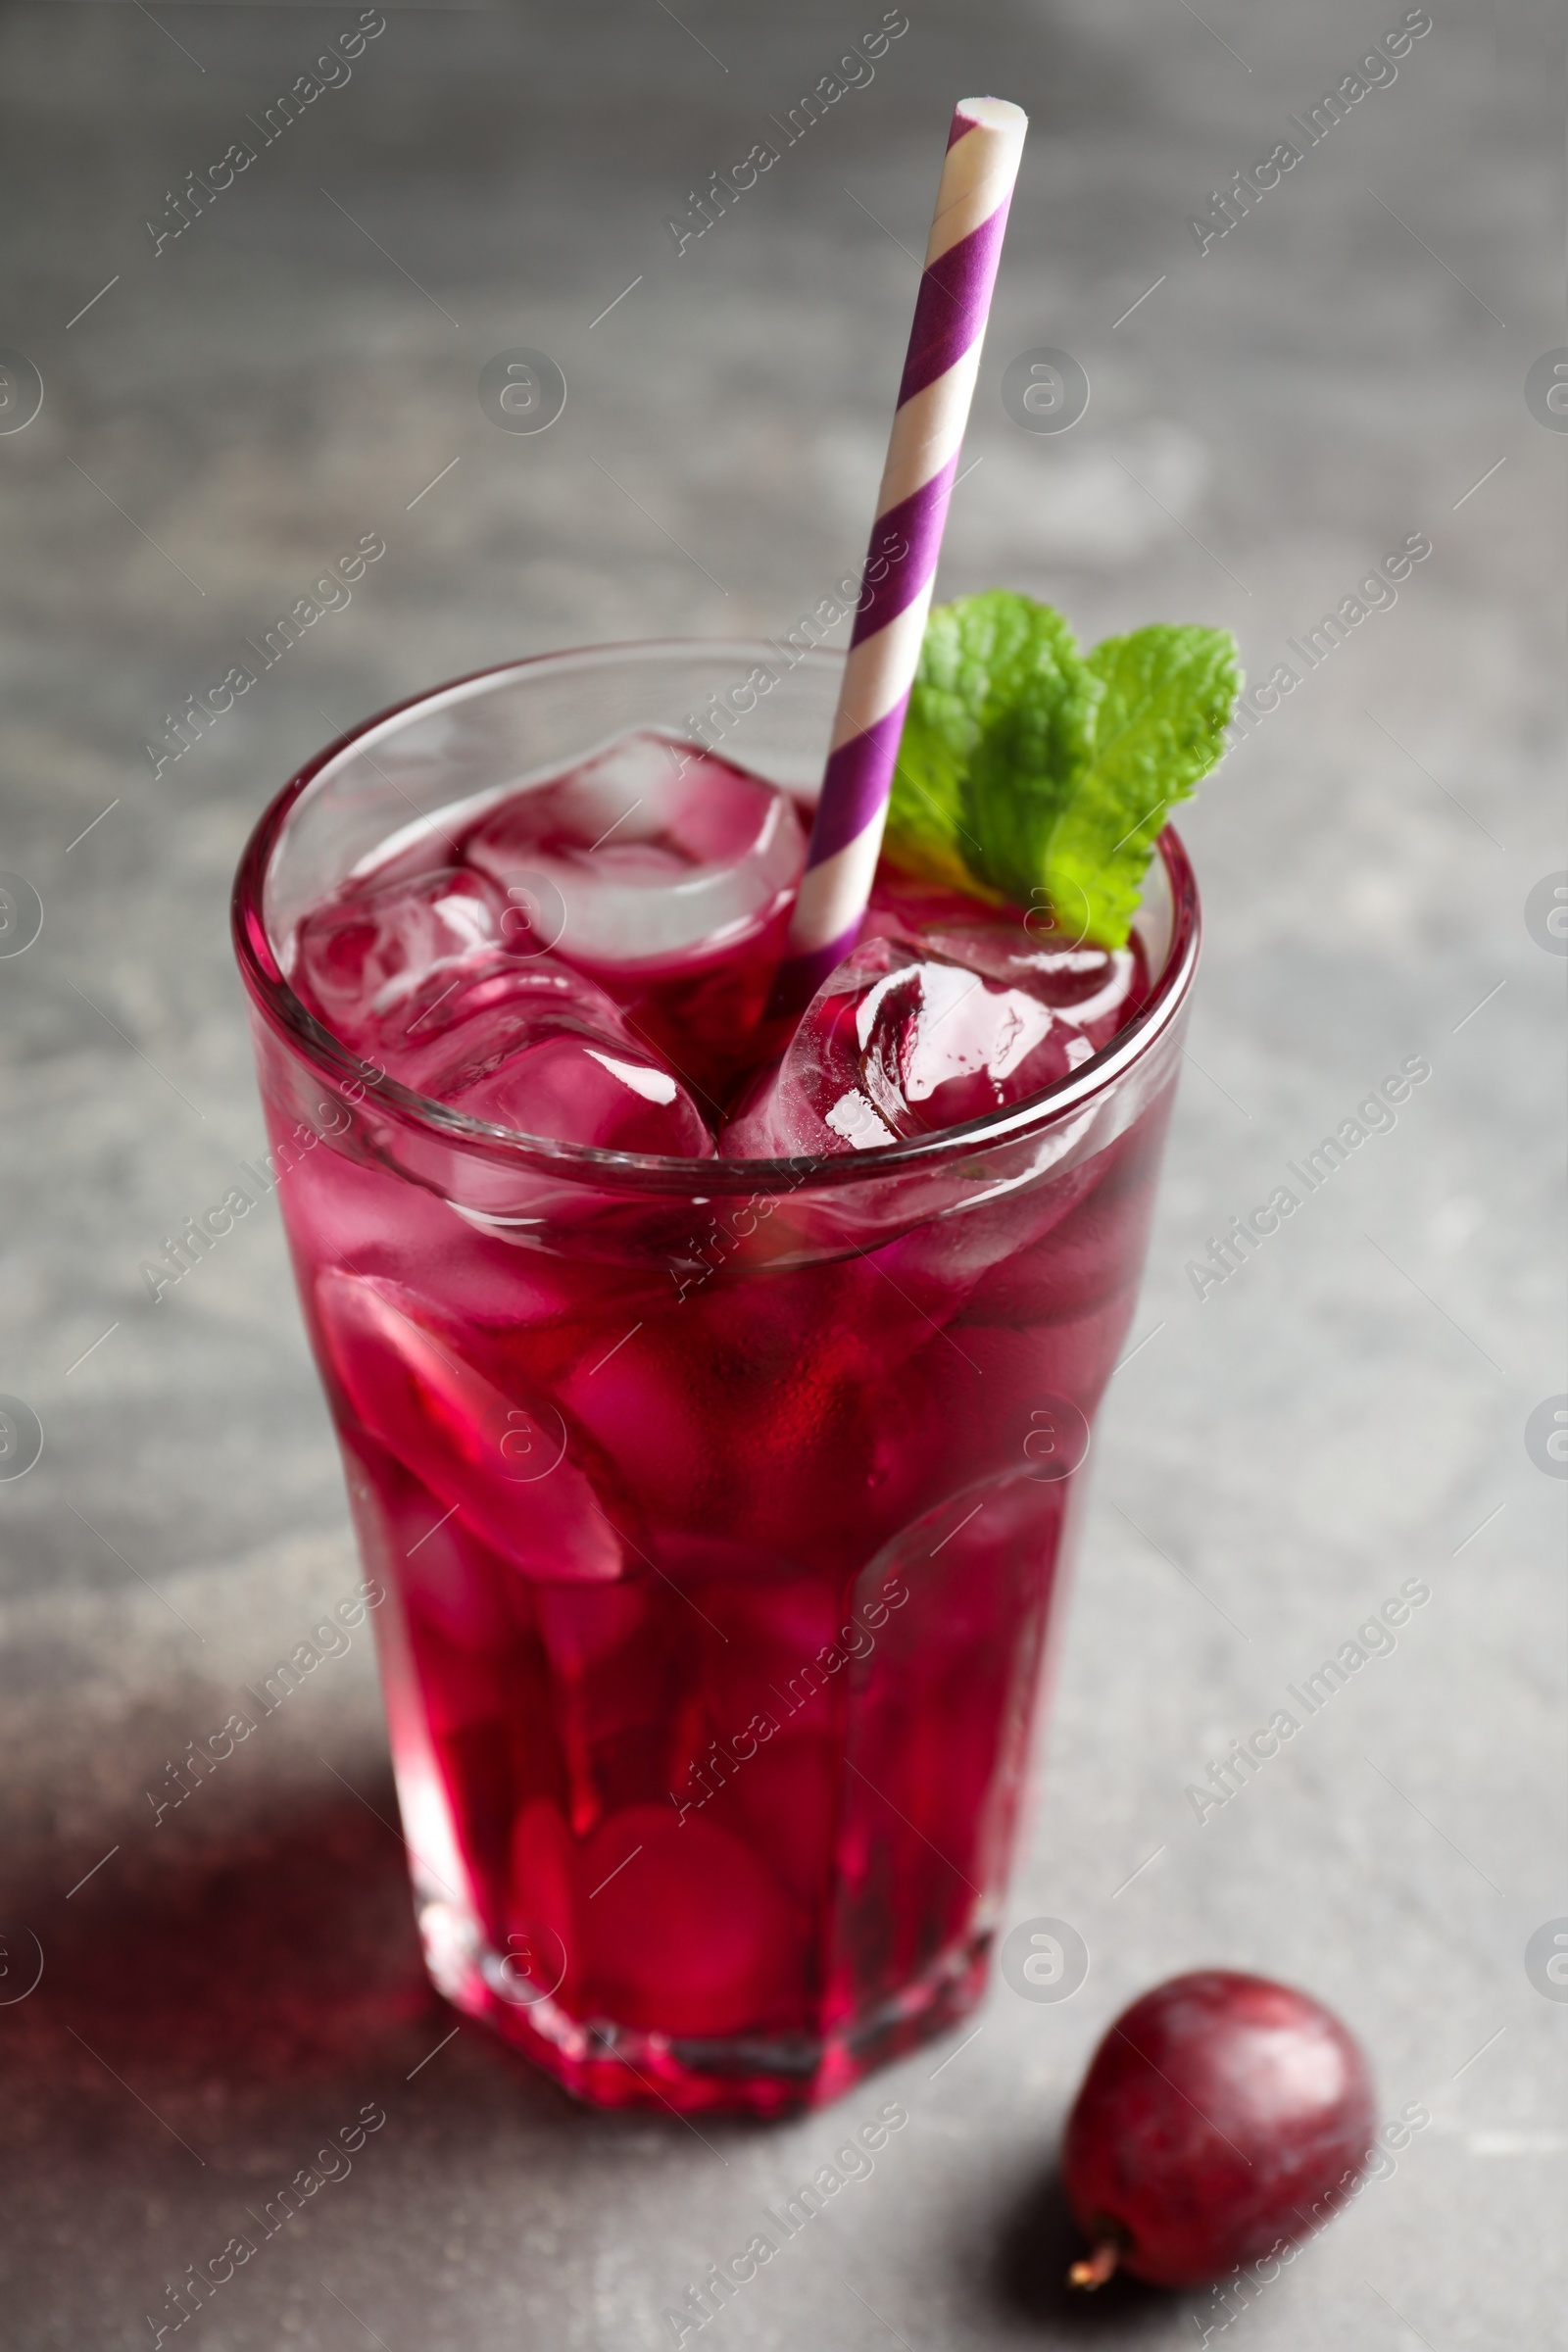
(714, 1425)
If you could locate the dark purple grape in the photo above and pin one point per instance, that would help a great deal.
(1222, 2116)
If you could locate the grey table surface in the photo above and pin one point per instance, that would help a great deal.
(227, 410)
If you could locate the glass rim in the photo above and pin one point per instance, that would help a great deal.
(637, 1172)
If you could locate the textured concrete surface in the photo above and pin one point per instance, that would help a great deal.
(235, 408)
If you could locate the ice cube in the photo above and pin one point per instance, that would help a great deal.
(367, 961)
(650, 849)
(920, 1031)
(709, 1439)
(685, 1931)
(1092, 988)
(432, 976)
(450, 1582)
(503, 1456)
(543, 1051)
(449, 1010)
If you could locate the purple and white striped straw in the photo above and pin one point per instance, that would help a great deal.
(951, 310)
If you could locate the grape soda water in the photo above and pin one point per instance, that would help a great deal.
(714, 1401)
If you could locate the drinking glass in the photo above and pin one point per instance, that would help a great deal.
(719, 1506)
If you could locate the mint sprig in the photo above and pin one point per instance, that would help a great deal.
(1029, 769)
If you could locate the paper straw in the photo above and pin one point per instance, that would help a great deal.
(951, 310)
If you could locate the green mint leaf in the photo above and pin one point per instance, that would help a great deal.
(1159, 729)
(1000, 720)
(1027, 770)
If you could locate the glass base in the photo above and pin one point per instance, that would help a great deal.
(609, 2065)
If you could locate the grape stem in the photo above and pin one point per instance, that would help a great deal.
(1097, 2269)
